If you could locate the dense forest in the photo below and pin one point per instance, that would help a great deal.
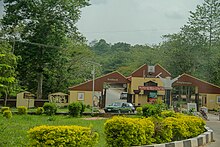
(42, 51)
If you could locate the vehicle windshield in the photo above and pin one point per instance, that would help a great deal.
(116, 104)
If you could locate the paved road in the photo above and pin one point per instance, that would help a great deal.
(214, 124)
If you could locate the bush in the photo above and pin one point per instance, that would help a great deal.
(83, 108)
(50, 108)
(40, 110)
(4, 108)
(176, 128)
(75, 109)
(75, 136)
(122, 131)
(7, 114)
(168, 113)
(151, 110)
(162, 130)
(22, 110)
(139, 110)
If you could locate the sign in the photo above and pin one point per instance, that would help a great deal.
(80, 96)
(112, 79)
(151, 88)
(191, 106)
(183, 83)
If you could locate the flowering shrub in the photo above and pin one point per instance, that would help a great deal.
(75, 136)
(122, 131)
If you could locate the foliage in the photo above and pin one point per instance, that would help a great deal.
(122, 131)
(62, 136)
(26, 21)
(168, 113)
(83, 108)
(177, 127)
(8, 62)
(75, 109)
(40, 110)
(139, 110)
(4, 108)
(22, 110)
(50, 108)
(7, 114)
(153, 109)
(16, 128)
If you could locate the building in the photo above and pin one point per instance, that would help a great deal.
(144, 85)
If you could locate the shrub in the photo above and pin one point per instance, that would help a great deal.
(40, 110)
(83, 108)
(162, 130)
(195, 125)
(50, 108)
(4, 108)
(122, 131)
(151, 110)
(168, 113)
(7, 114)
(88, 106)
(75, 109)
(75, 136)
(22, 110)
(177, 128)
(139, 110)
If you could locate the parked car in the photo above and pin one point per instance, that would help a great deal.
(120, 107)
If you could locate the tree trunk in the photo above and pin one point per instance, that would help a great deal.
(40, 86)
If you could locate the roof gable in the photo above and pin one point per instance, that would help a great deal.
(203, 86)
(114, 77)
(143, 71)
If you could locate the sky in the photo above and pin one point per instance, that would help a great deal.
(133, 21)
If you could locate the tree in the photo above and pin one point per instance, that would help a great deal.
(44, 25)
(8, 63)
(206, 20)
(185, 52)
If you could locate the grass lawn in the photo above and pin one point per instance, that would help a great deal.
(13, 132)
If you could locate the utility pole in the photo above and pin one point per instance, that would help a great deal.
(93, 81)
(93, 86)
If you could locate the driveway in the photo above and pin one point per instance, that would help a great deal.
(214, 124)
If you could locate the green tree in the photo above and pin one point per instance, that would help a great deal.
(46, 24)
(206, 20)
(8, 62)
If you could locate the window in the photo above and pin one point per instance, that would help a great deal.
(218, 99)
(80, 96)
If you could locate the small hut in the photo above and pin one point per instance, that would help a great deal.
(25, 99)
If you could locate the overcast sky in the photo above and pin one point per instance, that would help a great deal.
(134, 21)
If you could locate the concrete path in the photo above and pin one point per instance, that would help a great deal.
(214, 124)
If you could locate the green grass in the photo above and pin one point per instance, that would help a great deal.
(13, 132)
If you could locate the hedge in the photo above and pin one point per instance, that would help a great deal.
(75, 136)
(122, 131)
